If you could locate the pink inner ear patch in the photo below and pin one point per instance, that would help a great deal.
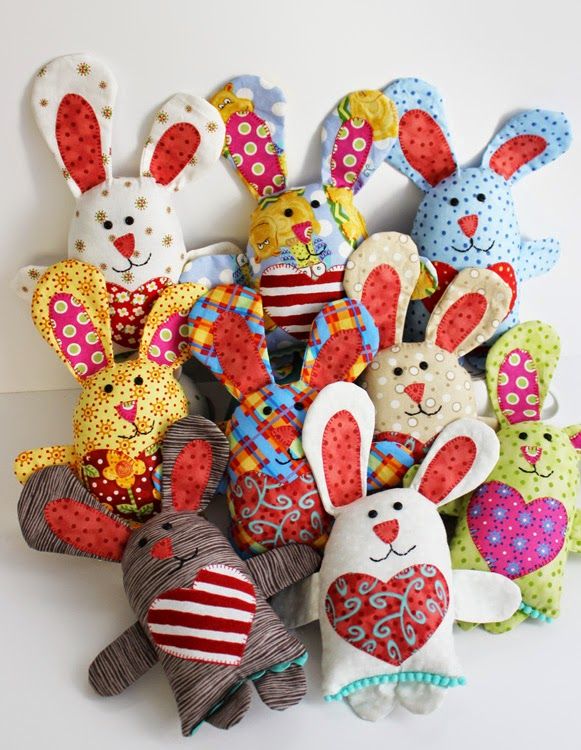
(576, 441)
(76, 335)
(518, 387)
(174, 150)
(425, 147)
(515, 153)
(238, 353)
(87, 529)
(171, 337)
(460, 319)
(350, 151)
(448, 468)
(336, 357)
(380, 296)
(78, 137)
(341, 459)
(190, 475)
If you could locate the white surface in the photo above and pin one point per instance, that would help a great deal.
(488, 59)
(58, 612)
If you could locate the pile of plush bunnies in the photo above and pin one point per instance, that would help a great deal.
(351, 362)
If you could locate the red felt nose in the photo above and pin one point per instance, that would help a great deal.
(125, 244)
(162, 549)
(284, 436)
(469, 224)
(415, 391)
(387, 531)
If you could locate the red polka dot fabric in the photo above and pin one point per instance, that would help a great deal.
(448, 468)
(342, 458)
(79, 141)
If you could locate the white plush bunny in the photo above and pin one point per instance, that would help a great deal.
(127, 227)
(388, 596)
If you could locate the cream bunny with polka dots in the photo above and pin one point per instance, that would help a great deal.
(418, 388)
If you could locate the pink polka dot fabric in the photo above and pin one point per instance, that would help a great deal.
(350, 151)
(168, 338)
(518, 387)
(76, 335)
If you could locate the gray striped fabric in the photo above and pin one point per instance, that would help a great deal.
(280, 690)
(283, 566)
(233, 709)
(123, 662)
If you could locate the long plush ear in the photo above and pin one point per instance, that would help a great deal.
(195, 454)
(423, 150)
(382, 273)
(519, 368)
(253, 111)
(72, 100)
(70, 308)
(355, 137)
(57, 514)
(165, 337)
(574, 433)
(527, 142)
(473, 306)
(186, 139)
(343, 342)
(227, 335)
(461, 457)
(337, 437)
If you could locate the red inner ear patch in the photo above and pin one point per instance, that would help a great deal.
(460, 319)
(174, 150)
(448, 468)
(87, 529)
(336, 357)
(381, 296)
(425, 147)
(190, 475)
(341, 458)
(237, 349)
(78, 137)
(515, 153)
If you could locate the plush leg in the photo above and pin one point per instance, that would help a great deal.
(506, 625)
(420, 698)
(233, 709)
(373, 703)
(123, 662)
(280, 690)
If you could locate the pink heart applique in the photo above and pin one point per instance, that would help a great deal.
(129, 310)
(392, 619)
(293, 299)
(209, 621)
(515, 537)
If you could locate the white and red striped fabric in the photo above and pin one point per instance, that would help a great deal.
(208, 622)
(293, 299)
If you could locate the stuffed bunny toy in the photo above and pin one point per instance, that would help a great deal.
(271, 493)
(300, 238)
(125, 226)
(467, 217)
(200, 610)
(124, 408)
(418, 388)
(523, 520)
(388, 596)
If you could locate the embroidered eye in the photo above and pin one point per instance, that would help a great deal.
(129, 220)
(288, 212)
(397, 505)
(108, 224)
(299, 406)
(108, 388)
(142, 542)
(398, 371)
(481, 197)
(138, 380)
(315, 204)
(548, 436)
(267, 410)
(167, 526)
(523, 435)
(423, 365)
(372, 514)
(454, 201)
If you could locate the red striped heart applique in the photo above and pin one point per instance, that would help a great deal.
(208, 622)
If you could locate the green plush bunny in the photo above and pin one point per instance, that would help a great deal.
(523, 521)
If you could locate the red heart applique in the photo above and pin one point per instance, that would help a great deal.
(447, 272)
(284, 289)
(269, 513)
(390, 620)
(209, 621)
(129, 310)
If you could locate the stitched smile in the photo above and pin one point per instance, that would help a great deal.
(392, 551)
(422, 411)
(183, 560)
(475, 247)
(137, 432)
(534, 471)
(131, 265)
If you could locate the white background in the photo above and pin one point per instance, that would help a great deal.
(489, 60)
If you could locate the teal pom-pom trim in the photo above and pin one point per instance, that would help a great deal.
(440, 680)
(536, 614)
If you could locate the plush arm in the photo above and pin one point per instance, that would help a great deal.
(574, 544)
(26, 279)
(27, 462)
(484, 597)
(122, 662)
(283, 566)
(538, 257)
(298, 605)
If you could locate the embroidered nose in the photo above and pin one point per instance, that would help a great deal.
(468, 224)
(127, 410)
(387, 531)
(303, 232)
(162, 549)
(284, 436)
(125, 244)
(415, 391)
(532, 453)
